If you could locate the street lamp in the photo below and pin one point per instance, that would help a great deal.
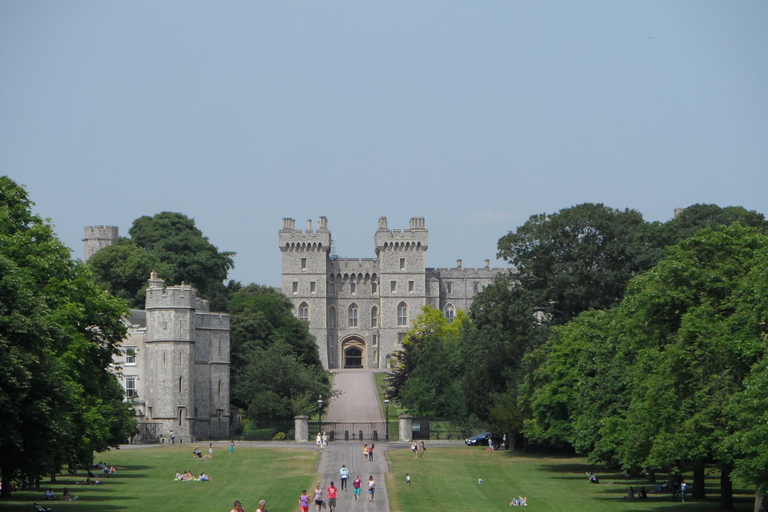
(320, 413)
(386, 425)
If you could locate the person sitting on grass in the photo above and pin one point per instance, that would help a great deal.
(112, 470)
(178, 476)
(204, 477)
(49, 496)
(631, 494)
(66, 496)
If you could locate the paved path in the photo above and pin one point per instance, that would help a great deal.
(358, 402)
(359, 398)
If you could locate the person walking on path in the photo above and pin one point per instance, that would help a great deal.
(304, 501)
(333, 491)
(415, 449)
(356, 487)
(422, 449)
(262, 506)
(319, 441)
(370, 453)
(237, 507)
(344, 473)
(365, 451)
(318, 497)
(371, 488)
(325, 440)
(173, 437)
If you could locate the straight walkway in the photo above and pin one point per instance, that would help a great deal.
(358, 402)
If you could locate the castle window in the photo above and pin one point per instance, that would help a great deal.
(352, 288)
(303, 263)
(219, 392)
(332, 317)
(450, 312)
(130, 356)
(312, 287)
(400, 337)
(393, 286)
(164, 362)
(295, 287)
(402, 263)
(374, 287)
(375, 340)
(304, 312)
(448, 287)
(181, 417)
(402, 314)
(353, 316)
(130, 387)
(374, 317)
(476, 288)
(332, 289)
(180, 382)
(410, 286)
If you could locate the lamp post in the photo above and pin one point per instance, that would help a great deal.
(320, 413)
(386, 424)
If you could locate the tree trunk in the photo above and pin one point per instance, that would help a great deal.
(53, 478)
(726, 490)
(761, 503)
(699, 484)
(651, 476)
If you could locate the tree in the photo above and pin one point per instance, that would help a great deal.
(276, 367)
(427, 378)
(172, 245)
(58, 333)
(579, 258)
(679, 348)
(122, 269)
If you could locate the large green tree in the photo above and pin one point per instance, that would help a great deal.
(171, 244)
(427, 378)
(579, 258)
(667, 361)
(276, 367)
(58, 333)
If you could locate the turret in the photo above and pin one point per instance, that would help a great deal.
(97, 238)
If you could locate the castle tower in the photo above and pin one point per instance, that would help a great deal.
(305, 258)
(402, 263)
(97, 238)
(170, 353)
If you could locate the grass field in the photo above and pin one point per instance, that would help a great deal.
(147, 483)
(446, 479)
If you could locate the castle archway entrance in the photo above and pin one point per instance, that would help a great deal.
(353, 353)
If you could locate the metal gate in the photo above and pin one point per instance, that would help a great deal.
(148, 433)
(339, 431)
(421, 428)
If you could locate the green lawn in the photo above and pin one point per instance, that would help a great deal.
(447, 479)
(276, 475)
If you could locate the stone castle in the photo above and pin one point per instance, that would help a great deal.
(175, 361)
(360, 309)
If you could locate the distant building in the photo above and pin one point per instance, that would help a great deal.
(175, 361)
(360, 309)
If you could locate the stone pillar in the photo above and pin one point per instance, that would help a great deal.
(406, 428)
(301, 429)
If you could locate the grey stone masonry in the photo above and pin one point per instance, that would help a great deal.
(359, 309)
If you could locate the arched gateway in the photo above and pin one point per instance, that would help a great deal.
(353, 352)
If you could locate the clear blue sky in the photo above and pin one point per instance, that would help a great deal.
(472, 114)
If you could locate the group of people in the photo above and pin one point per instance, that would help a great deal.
(520, 501)
(238, 507)
(368, 452)
(197, 454)
(65, 495)
(418, 449)
(321, 440)
(187, 476)
(640, 495)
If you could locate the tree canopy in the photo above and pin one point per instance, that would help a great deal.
(172, 245)
(276, 367)
(58, 333)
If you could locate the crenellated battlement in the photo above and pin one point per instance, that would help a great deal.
(173, 297)
(416, 237)
(292, 239)
(97, 238)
